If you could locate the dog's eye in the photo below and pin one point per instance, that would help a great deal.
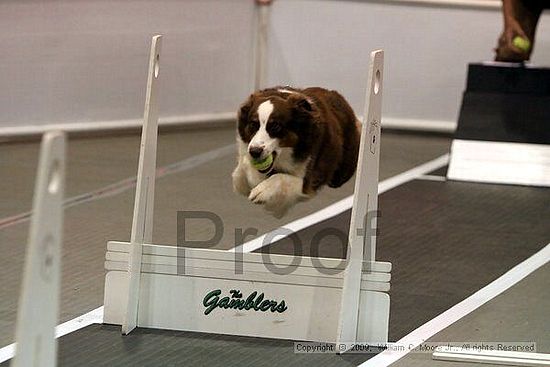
(274, 128)
(254, 125)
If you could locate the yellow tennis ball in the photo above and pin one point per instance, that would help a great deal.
(263, 164)
(522, 43)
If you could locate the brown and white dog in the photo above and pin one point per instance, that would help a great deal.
(313, 135)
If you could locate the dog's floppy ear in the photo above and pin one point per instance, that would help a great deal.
(301, 103)
(242, 116)
(244, 110)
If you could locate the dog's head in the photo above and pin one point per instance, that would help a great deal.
(268, 123)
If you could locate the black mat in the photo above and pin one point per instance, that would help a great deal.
(508, 78)
(505, 103)
(517, 118)
(446, 240)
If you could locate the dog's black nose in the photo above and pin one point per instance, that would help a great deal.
(255, 152)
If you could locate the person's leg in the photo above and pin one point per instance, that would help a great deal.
(520, 19)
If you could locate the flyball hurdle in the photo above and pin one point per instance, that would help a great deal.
(38, 309)
(344, 301)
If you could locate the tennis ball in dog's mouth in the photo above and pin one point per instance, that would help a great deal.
(522, 43)
(263, 164)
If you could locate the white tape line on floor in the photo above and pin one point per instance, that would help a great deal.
(93, 317)
(458, 311)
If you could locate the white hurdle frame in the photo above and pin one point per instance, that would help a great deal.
(362, 246)
(38, 309)
(142, 223)
(348, 303)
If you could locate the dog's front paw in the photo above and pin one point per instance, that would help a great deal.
(278, 193)
(267, 192)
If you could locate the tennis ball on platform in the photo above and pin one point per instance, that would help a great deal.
(263, 164)
(522, 43)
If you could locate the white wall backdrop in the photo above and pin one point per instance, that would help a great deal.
(83, 62)
(74, 61)
(428, 47)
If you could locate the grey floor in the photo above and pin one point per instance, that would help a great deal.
(521, 314)
(97, 162)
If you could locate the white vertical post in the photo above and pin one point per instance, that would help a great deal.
(263, 8)
(362, 231)
(39, 301)
(142, 224)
